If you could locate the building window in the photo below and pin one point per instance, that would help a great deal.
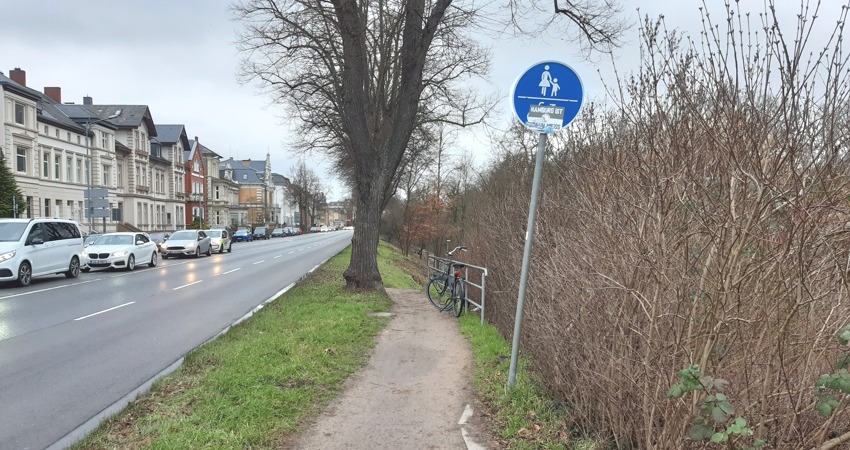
(46, 164)
(47, 207)
(79, 178)
(78, 139)
(88, 172)
(19, 113)
(56, 132)
(68, 135)
(58, 210)
(57, 166)
(144, 141)
(136, 139)
(46, 130)
(22, 160)
(69, 167)
(217, 193)
(106, 171)
(120, 175)
(103, 140)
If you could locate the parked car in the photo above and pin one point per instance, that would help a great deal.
(187, 243)
(120, 251)
(293, 231)
(90, 239)
(243, 236)
(278, 232)
(35, 247)
(220, 240)
(261, 233)
(158, 238)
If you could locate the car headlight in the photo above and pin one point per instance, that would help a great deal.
(7, 256)
(190, 245)
(119, 254)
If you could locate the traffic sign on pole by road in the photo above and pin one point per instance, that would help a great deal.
(547, 96)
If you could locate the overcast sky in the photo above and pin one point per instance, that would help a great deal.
(177, 57)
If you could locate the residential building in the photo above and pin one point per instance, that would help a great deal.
(169, 175)
(256, 190)
(283, 200)
(49, 152)
(222, 191)
(196, 184)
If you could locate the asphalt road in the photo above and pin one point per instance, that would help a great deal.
(71, 347)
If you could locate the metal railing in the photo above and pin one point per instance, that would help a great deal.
(435, 265)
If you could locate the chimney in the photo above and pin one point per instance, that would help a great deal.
(18, 76)
(54, 92)
(87, 100)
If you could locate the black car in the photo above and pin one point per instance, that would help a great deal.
(261, 233)
(278, 232)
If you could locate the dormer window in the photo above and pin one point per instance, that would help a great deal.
(244, 176)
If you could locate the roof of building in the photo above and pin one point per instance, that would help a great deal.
(126, 116)
(48, 110)
(170, 134)
(241, 173)
(10, 84)
(280, 180)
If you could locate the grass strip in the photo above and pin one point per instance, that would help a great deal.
(526, 418)
(253, 386)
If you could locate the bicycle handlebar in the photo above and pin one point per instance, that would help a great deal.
(459, 247)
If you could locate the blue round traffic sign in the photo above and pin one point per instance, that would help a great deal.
(547, 96)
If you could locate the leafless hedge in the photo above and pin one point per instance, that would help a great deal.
(702, 221)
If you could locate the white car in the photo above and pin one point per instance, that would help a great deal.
(186, 243)
(120, 251)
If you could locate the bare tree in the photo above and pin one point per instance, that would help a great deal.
(362, 76)
(594, 24)
(302, 188)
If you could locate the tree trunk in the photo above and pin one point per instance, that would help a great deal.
(362, 272)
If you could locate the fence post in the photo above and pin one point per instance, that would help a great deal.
(483, 292)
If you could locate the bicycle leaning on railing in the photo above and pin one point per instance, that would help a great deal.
(447, 290)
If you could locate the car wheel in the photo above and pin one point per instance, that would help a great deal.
(230, 247)
(154, 259)
(131, 263)
(221, 248)
(197, 252)
(74, 268)
(24, 274)
(209, 250)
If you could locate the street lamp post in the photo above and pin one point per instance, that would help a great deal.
(90, 169)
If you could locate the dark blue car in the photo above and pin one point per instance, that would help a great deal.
(243, 236)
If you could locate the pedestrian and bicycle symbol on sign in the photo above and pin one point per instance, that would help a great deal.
(547, 97)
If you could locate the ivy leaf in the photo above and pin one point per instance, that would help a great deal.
(676, 391)
(700, 432)
(719, 437)
(718, 415)
(844, 335)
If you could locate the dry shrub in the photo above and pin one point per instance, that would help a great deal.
(702, 221)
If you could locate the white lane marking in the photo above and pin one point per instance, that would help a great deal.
(231, 271)
(105, 310)
(467, 413)
(49, 289)
(278, 256)
(470, 444)
(186, 285)
(259, 262)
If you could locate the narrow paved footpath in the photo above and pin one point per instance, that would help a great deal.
(412, 394)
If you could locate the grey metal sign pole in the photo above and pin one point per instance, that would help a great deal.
(526, 254)
(545, 98)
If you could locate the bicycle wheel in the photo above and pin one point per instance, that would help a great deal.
(438, 295)
(459, 300)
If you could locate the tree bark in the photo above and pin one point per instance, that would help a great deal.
(362, 272)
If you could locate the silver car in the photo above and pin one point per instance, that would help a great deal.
(186, 243)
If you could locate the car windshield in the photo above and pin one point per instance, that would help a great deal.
(242, 232)
(11, 232)
(214, 233)
(184, 235)
(112, 239)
